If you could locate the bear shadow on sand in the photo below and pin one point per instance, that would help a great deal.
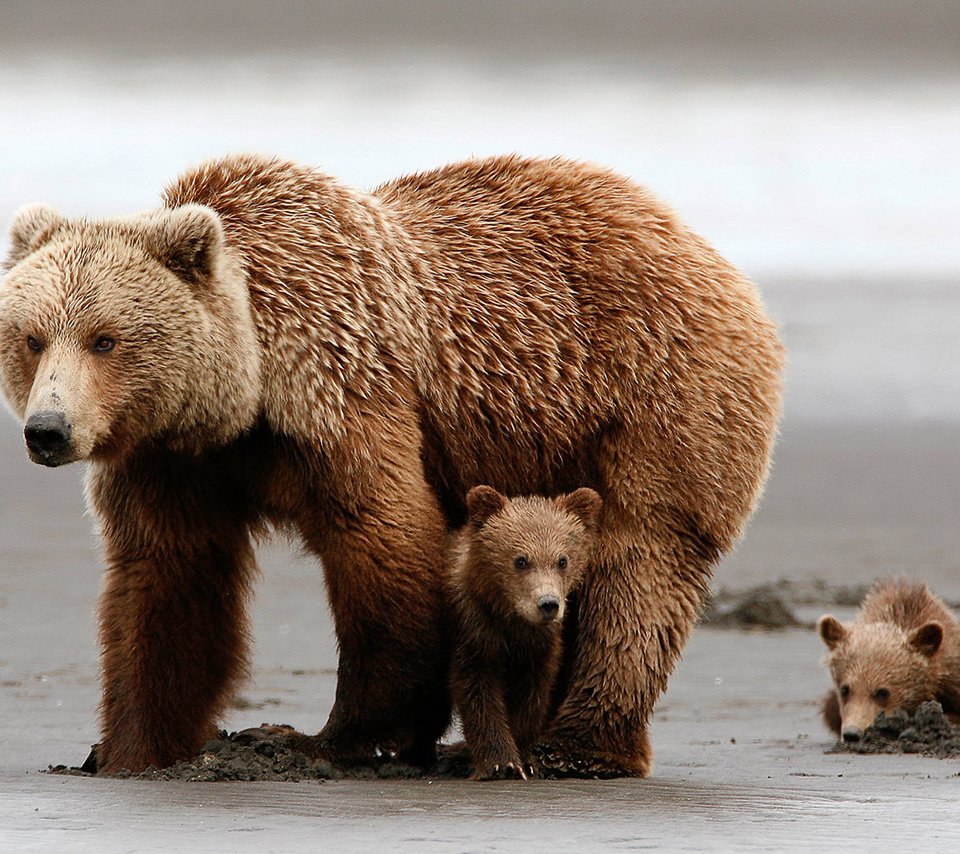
(265, 754)
(268, 754)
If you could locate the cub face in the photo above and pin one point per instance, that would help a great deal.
(879, 667)
(530, 553)
(116, 331)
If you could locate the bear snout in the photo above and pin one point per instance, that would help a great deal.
(549, 607)
(47, 435)
(852, 734)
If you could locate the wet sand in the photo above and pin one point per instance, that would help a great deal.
(740, 760)
(699, 100)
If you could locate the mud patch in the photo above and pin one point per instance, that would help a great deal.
(265, 754)
(817, 591)
(761, 608)
(771, 606)
(928, 732)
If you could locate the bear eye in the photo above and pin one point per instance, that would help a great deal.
(562, 563)
(520, 562)
(844, 691)
(882, 694)
(34, 344)
(103, 344)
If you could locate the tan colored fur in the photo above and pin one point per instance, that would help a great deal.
(537, 325)
(506, 648)
(188, 372)
(902, 650)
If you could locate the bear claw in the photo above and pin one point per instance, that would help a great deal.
(558, 760)
(501, 771)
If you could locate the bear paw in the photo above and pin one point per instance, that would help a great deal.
(511, 770)
(562, 759)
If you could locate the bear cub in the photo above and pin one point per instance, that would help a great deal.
(512, 567)
(902, 650)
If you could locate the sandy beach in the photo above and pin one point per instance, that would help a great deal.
(739, 748)
(813, 143)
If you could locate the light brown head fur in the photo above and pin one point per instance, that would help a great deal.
(116, 331)
(894, 656)
(521, 557)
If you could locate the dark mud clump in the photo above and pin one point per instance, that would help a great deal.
(771, 606)
(269, 753)
(757, 609)
(928, 732)
(817, 591)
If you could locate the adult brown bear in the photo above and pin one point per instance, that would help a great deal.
(270, 347)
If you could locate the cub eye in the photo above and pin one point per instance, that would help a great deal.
(562, 563)
(104, 344)
(520, 562)
(882, 694)
(34, 344)
(844, 691)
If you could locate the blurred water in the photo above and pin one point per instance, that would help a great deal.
(801, 180)
(841, 199)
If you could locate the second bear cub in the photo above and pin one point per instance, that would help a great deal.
(512, 566)
(902, 650)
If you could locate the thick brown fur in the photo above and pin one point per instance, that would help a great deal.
(511, 564)
(902, 650)
(347, 365)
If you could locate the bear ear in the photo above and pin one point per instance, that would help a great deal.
(926, 639)
(831, 630)
(32, 226)
(583, 503)
(186, 240)
(482, 503)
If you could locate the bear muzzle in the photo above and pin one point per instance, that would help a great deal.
(852, 734)
(549, 607)
(48, 438)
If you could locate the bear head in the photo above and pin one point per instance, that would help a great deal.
(879, 667)
(116, 332)
(527, 554)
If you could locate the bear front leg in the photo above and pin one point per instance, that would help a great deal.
(637, 606)
(478, 694)
(172, 614)
(830, 711)
(383, 567)
(532, 704)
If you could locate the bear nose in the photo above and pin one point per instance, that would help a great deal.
(549, 607)
(851, 734)
(47, 434)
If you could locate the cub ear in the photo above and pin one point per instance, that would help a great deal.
(583, 503)
(482, 503)
(32, 226)
(926, 639)
(831, 630)
(186, 240)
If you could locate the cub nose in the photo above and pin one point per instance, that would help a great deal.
(549, 607)
(47, 434)
(852, 734)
